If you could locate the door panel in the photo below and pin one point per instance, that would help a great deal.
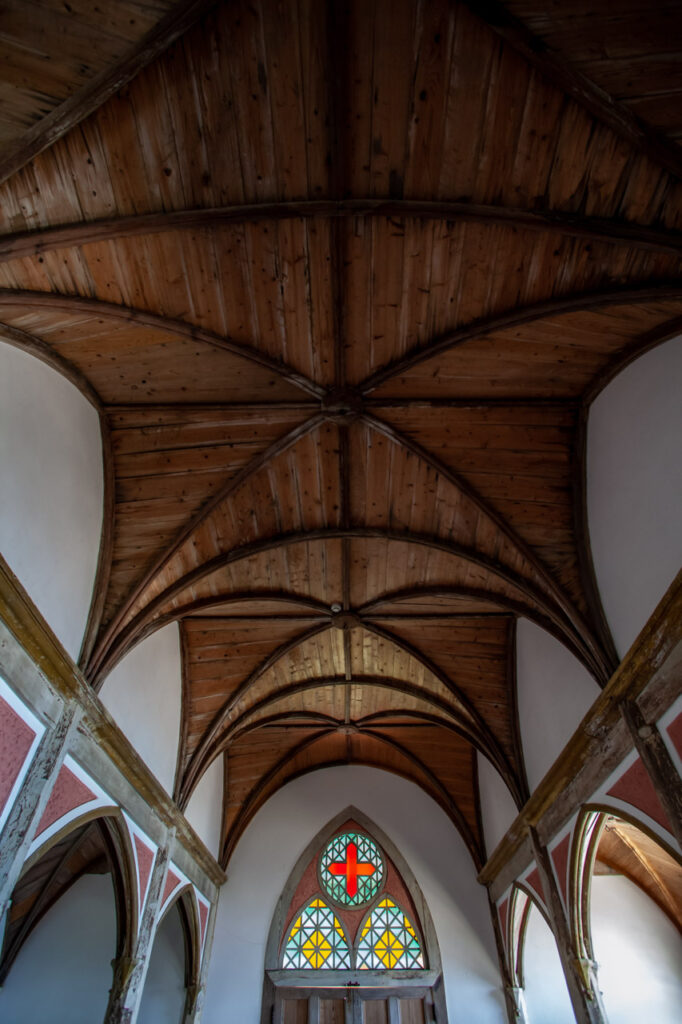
(332, 1011)
(295, 1011)
(375, 1011)
(412, 1011)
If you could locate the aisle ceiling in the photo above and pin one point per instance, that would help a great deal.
(342, 280)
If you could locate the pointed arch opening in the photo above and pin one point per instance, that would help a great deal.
(351, 925)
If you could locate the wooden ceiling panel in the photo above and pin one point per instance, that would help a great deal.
(474, 653)
(297, 490)
(168, 464)
(435, 277)
(547, 357)
(125, 361)
(219, 658)
(625, 849)
(50, 50)
(627, 51)
(519, 459)
(342, 281)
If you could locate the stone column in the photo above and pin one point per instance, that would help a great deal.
(130, 970)
(580, 973)
(27, 810)
(659, 764)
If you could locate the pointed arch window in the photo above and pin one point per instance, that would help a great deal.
(352, 920)
(388, 940)
(316, 940)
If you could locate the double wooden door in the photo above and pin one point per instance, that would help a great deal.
(355, 1006)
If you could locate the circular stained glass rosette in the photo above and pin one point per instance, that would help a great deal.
(351, 869)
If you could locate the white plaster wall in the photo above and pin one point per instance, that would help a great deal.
(144, 694)
(546, 994)
(269, 849)
(163, 996)
(554, 693)
(639, 952)
(498, 809)
(205, 808)
(51, 490)
(63, 972)
(634, 488)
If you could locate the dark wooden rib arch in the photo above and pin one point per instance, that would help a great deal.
(135, 629)
(242, 726)
(204, 752)
(181, 328)
(516, 317)
(255, 464)
(250, 804)
(561, 599)
(596, 229)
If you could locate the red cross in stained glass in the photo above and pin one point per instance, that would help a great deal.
(351, 869)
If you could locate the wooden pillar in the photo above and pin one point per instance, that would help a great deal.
(659, 764)
(27, 810)
(514, 1000)
(130, 971)
(194, 1004)
(579, 971)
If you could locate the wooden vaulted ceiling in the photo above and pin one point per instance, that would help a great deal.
(342, 280)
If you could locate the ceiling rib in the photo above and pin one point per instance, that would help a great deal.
(516, 317)
(205, 751)
(592, 229)
(86, 100)
(595, 100)
(181, 328)
(253, 466)
(562, 600)
(136, 629)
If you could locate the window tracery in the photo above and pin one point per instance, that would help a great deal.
(352, 875)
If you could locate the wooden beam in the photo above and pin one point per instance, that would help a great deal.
(35, 637)
(594, 654)
(572, 225)
(580, 766)
(516, 317)
(600, 104)
(644, 343)
(94, 93)
(143, 623)
(143, 318)
(280, 445)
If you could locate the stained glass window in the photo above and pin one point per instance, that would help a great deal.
(388, 940)
(316, 940)
(351, 869)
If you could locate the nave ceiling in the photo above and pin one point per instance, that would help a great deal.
(342, 281)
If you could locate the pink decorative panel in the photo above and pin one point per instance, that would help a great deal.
(145, 859)
(534, 882)
(172, 882)
(68, 793)
(675, 733)
(16, 737)
(560, 858)
(634, 787)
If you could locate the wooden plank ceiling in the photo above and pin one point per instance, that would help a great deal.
(342, 280)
